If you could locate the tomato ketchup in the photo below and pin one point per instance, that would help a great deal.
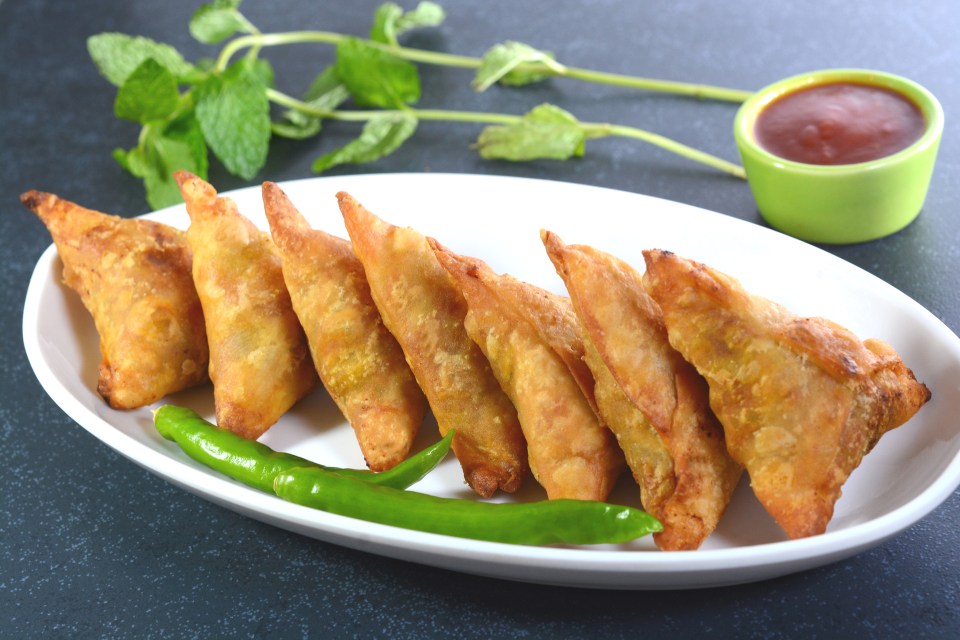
(839, 123)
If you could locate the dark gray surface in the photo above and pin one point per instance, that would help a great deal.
(94, 546)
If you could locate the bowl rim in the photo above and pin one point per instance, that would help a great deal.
(746, 116)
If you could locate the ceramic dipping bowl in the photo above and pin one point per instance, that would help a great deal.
(847, 202)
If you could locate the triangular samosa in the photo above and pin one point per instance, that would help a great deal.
(654, 401)
(133, 275)
(571, 454)
(424, 310)
(359, 361)
(259, 361)
(801, 400)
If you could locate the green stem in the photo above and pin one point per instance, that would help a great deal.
(273, 40)
(483, 117)
(593, 130)
(599, 130)
(701, 91)
(427, 57)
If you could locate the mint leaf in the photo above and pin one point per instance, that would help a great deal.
(390, 21)
(500, 62)
(545, 131)
(161, 152)
(523, 75)
(218, 20)
(297, 126)
(262, 68)
(167, 155)
(327, 90)
(376, 78)
(384, 27)
(186, 130)
(234, 115)
(117, 55)
(122, 158)
(326, 93)
(426, 14)
(381, 136)
(149, 93)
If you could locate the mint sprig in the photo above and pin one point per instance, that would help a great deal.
(117, 55)
(163, 149)
(546, 132)
(149, 93)
(215, 22)
(234, 116)
(374, 77)
(515, 63)
(231, 109)
(326, 93)
(382, 135)
(390, 21)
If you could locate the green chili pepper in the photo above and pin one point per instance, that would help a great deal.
(256, 464)
(534, 523)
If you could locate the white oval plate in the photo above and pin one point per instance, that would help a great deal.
(910, 472)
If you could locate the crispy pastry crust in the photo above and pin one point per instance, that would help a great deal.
(359, 362)
(133, 276)
(259, 362)
(424, 310)
(652, 399)
(529, 335)
(802, 400)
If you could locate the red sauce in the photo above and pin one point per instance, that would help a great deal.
(839, 123)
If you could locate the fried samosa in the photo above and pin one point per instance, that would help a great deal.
(653, 400)
(259, 361)
(424, 310)
(801, 400)
(359, 361)
(570, 453)
(133, 276)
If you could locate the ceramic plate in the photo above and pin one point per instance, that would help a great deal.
(910, 472)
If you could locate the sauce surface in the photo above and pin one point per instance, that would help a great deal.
(839, 123)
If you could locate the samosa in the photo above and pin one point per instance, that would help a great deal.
(654, 401)
(259, 361)
(359, 361)
(802, 400)
(134, 277)
(528, 335)
(424, 310)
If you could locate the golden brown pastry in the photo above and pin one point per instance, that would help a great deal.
(424, 310)
(802, 400)
(652, 399)
(133, 275)
(359, 361)
(259, 362)
(571, 454)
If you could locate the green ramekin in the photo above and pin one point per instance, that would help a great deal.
(840, 204)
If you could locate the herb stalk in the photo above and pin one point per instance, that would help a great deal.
(590, 129)
(700, 91)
